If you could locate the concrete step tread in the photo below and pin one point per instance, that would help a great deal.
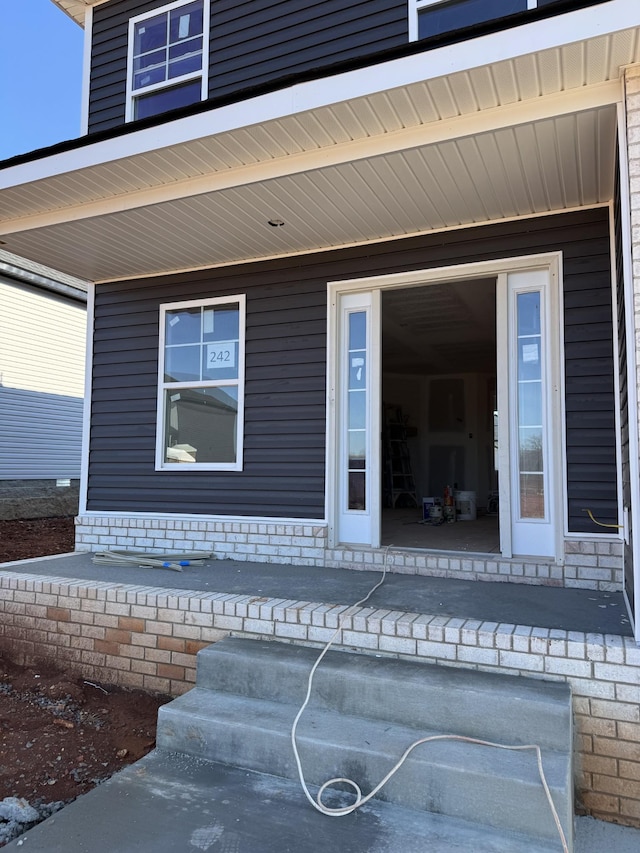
(356, 684)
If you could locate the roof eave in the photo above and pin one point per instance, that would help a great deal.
(75, 9)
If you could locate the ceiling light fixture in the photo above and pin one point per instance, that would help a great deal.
(276, 223)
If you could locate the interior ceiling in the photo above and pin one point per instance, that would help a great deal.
(439, 329)
(418, 158)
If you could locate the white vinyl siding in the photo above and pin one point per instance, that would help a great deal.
(42, 353)
(42, 340)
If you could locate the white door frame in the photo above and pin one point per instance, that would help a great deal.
(539, 535)
(499, 269)
(362, 525)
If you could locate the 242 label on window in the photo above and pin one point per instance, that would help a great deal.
(221, 356)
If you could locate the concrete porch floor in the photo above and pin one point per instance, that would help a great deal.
(588, 611)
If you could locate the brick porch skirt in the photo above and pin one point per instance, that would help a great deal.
(144, 637)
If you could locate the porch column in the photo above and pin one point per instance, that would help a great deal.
(632, 81)
(632, 89)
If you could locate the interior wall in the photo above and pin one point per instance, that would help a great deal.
(450, 430)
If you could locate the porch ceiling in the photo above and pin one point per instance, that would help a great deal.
(524, 136)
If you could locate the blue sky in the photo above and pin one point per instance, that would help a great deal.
(40, 76)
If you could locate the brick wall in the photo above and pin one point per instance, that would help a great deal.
(124, 635)
(148, 638)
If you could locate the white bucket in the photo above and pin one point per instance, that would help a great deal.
(466, 506)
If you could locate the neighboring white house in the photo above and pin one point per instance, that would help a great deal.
(42, 357)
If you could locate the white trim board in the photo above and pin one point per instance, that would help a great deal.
(86, 70)
(86, 414)
(208, 519)
(632, 355)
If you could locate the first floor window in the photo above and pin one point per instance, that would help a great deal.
(201, 385)
(168, 51)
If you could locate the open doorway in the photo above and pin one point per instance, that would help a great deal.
(439, 436)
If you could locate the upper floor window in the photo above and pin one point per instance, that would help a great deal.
(433, 17)
(167, 65)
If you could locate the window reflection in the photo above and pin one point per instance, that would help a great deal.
(530, 405)
(357, 410)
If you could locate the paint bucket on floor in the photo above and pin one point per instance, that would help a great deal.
(449, 514)
(427, 503)
(466, 506)
(435, 515)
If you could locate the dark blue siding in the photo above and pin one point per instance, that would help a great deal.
(258, 45)
(253, 43)
(286, 367)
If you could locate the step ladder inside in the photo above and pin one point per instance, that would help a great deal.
(399, 484)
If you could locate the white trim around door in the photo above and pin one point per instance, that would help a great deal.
(530, 405)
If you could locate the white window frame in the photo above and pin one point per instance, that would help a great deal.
(203, 73)
(416, 6)
(163, 386)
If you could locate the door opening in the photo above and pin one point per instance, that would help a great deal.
(439, 449)
(444, 393)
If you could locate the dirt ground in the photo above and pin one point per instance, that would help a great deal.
(59, 734)
(37, 537)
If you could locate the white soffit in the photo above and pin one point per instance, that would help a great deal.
(75, 8)
(565, 71)
(551, 165)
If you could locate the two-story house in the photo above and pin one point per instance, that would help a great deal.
(346, 257)
(305, 223)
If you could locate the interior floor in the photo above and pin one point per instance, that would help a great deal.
(406, 528)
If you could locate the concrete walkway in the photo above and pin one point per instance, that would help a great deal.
(175, 804)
